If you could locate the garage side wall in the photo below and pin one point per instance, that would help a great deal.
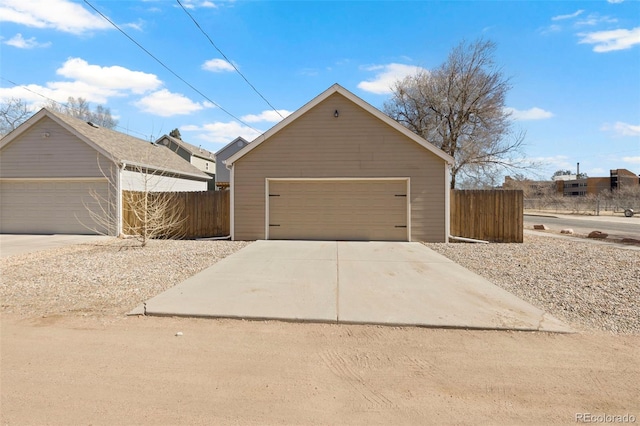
(354, 145)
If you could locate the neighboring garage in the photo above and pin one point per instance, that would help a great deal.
(339, 169)
(52, 164)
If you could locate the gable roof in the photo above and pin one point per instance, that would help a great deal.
(191, 149)
(118, 147)
(336, 88)
(238, 139)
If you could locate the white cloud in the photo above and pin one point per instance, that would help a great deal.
(615, 1)
(553, 163)
(62, 90)
(269, 116)
(554, 28)
(59, 91)
(595, 19)
(62, 15)
(387, 75)
(166, 104)
(569, 16)
(192, 4)
(221, 132)
(138, 26)
(113, 77)
(310, 72)
(217, 65)
(97, 84)
(632, 160)
(534, 113)
(29, 93)
(607, 41)
(22, 43)
(622, 129)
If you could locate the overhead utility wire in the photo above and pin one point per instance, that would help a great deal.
(169, 69)
(227, 59)
(65, 104)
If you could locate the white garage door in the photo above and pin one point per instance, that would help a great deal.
(49, 207)
(338, 210)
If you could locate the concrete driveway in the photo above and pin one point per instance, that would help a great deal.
(12, 244)
(350, 282)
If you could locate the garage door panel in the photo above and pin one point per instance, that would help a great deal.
(338, 210)
(49, 207)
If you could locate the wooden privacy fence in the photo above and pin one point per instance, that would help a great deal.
(492, 215)
(197, 214)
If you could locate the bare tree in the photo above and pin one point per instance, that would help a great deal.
(147, 213)
(13, 112)
(151, 214)
(102, 117)
(460, 108)
(80, 108)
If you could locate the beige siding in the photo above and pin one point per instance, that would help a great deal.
(356, 144)
(208, 166)
(60, 154)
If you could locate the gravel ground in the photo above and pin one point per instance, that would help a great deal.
(592, 287)
(109, 278)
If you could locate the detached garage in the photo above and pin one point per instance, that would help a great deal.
(339, 169)
(52, 164)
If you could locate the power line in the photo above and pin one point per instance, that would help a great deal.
(227, 59)
(169, 69)
(65, 105)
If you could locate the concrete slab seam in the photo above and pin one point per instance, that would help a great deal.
(337, 281)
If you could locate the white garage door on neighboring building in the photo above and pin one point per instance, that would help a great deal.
(49, 206)
(338, 209)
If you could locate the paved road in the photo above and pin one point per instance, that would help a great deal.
(614, 226)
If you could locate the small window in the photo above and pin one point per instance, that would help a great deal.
(206, 166)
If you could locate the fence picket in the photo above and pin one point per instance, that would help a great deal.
(492, 215)
(203, 214)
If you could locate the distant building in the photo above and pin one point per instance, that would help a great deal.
(564, 177)
(570, 186)
(618, 179)
(531, 188)
(196, 155)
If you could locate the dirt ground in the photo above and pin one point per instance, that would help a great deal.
(70, 370)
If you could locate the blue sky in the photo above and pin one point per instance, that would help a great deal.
(574, 65)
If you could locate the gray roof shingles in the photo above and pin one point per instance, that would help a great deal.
(193, 150)
(129, 149)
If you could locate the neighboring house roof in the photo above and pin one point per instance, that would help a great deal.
(191, 149)
(336, 88)
(231, 144)
(117, 146)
